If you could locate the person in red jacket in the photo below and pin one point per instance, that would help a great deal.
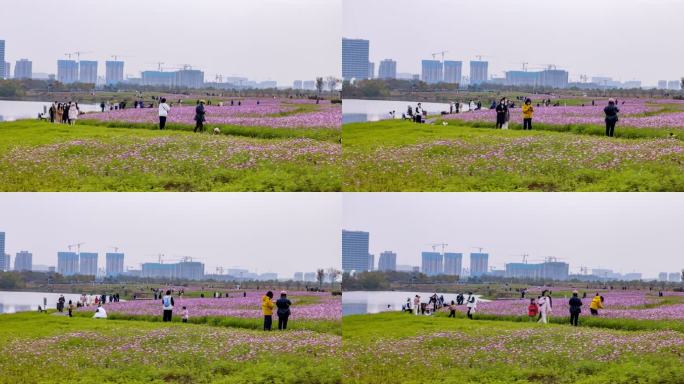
(532, 310)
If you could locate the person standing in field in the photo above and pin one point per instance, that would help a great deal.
(596, 304)
(267, 310)
(527, 111)
(53, 112)
(199, 116)
(544, 303)
(65, 114)
(501, 111)
(163, 113)
(532, 310)
(283, 305)
(167, 306)
(185, 314)
(452, 309)
(73, 113)
(70, 308)
(611, 111)
(575, 308)
(472, 305)
(416, 304)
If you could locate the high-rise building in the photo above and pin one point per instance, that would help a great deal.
(554, 78)
(87, 72)
(88, 263)
(23, 69)
(432, 263)
(662, 84)
(67, 71)
(387, 69)
(4, 258)
(548, 270)
(674, 277)
(185, 270)
(452, 74)
(387, 261)
(479, 72)
(371, 70)
(662, 276)
(114, 264)
(189, 78)
(453, 263)
(674, 85)
(355, 63)
(298, 276)
(479, 264)
(297, 84)
(355, 256)
(8, 70)
(67, 263)
(431, 71)
(2, 61)
(158, 78)
(23, 261)
(371, 262)
(114, 72)
(309, 277)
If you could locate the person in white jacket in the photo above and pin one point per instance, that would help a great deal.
(471, 304)
(100, 313)
(163, 113)
(73, 113)
(416, 305)
(544, 303)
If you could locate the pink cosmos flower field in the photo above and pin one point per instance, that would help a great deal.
(324, 306)
(274, 113)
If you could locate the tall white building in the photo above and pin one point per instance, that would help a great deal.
(23, 69)
(2, 59)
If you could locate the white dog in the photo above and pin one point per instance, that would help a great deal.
(217, 131)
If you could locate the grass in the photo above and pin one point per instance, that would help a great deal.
(401, 348)
(38, 156)
(403, 156)
(40, 348)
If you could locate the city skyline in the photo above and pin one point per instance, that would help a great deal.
(239, 38)
(549, 39)
(607, 231)
(282, 233)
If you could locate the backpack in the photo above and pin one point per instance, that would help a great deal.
(166, 301)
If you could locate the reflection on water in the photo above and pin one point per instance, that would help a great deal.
(358, 111)
(11, 110)
(11, 302)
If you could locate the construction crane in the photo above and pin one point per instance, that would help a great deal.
(79, 53)
(551, 66)
(219, 78)
(219, 270)
(480, 249)
(160, 258)
(584, 270)
(435, 245)
(116, 249)
(524, 66)
(160, 66)
(77, 245)
(524, 257)
(68, 55)
(439, 53)
(479, 57)
(185, 67)
(117, 57)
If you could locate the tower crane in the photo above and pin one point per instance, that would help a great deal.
(77, 245)
(116, 249)
(479, 248)
(435, 245)
(439, 53)
(79, 53)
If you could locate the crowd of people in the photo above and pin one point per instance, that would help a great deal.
(539, 308)
(64, 113)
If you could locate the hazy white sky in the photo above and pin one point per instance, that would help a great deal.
(268, 232)
(627, 232)
(281, 40)
(634, 39)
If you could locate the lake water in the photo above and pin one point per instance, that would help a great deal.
(11, 110)
(357, 111)
(11, 302)
(361, 302)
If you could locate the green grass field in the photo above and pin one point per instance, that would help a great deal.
(404, 156)
(42, 348)
(91, 156)
(402, 348)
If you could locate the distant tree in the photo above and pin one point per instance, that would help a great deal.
(319, 85)
(333, 274)
(332, 83)
(320, 274)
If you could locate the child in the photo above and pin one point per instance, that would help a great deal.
(452, 309)
(532, 310)
(185, 315)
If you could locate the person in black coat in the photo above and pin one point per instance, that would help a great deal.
(199, 116)
(501, 112)
(575, 308)
(611, 111)
(283, 305)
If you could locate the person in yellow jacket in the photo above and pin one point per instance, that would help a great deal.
(527, 111)
(267, 309)
(596, 304)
